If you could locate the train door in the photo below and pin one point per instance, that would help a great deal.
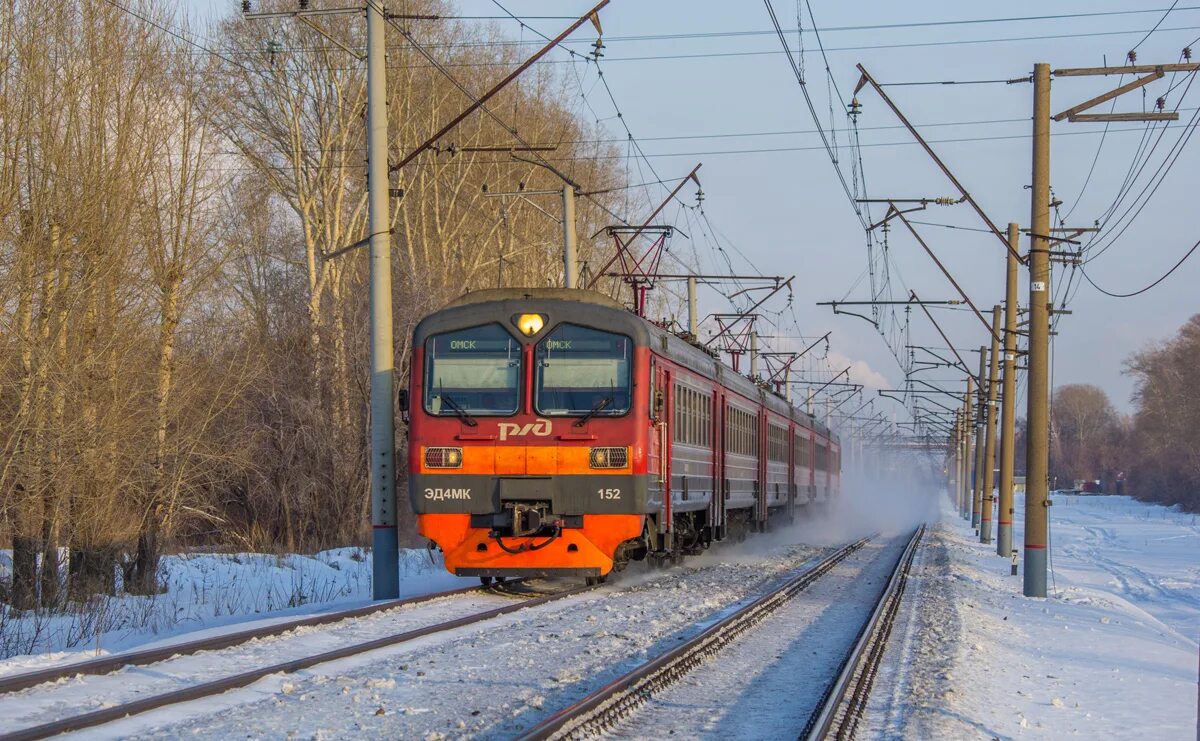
(811, 442)
(761, 486)
(791, 472)
(720, 484)
(662, 416)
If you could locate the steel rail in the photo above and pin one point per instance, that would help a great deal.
(846, 697)
(609, 704)
(109, 664)
(243, 679)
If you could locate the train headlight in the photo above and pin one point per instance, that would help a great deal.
(529, 324)
(608, 457)
(443, 457)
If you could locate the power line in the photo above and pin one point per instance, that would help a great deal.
(1147, 288)
(946, 82)
(842, 29)
(813, 111)
(1156, 179)
(713, 55)
(1156, 25)
(612, 99)
(202, 47)
(465, 160)
(465, 91)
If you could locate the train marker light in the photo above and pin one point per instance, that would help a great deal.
(608, 457)
(443, 457)
(529, 324)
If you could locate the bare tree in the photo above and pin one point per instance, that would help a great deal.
(1165, 461)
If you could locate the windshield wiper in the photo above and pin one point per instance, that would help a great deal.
(600, 406)
(459, 412)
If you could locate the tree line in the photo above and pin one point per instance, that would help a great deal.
(1155, 452)
(183, 336)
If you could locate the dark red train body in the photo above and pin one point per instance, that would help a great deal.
(553, 432)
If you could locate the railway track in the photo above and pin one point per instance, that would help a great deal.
(524, 598)
(115, 662)
(602, 710)
(846, 697)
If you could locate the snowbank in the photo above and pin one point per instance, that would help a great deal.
(1111, 653)
(205, 592)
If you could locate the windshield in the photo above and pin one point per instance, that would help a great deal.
(583, 371)
(473, 371)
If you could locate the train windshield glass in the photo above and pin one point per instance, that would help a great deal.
(583, 371)
(473, 371)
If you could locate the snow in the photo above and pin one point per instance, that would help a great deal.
(207, 594)
(1111, 653)
(793, 654)
(48, 702)
(491, 679)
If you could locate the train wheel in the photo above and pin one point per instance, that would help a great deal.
(593, 581)
(485, 581)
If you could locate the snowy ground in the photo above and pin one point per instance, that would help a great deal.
(490, 680)
(794, 654)
(52, 701)
(1112, 653)
(206, 593)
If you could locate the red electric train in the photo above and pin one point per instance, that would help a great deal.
(554, 433)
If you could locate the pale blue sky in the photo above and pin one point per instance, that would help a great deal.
(786, 211)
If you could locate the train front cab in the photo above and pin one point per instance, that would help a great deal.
(524, 455)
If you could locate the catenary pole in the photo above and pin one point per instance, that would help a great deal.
(1008, 393)
(956, 460)
(570, 256)
(385, 582)
(989, 441)
(1037, 454)
(980, 420)
(693, 313)
(968, 425)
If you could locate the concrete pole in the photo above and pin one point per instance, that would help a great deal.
(989, 442)
(570, 257)
(966, 449)
(952, 463)
(385, 582)
(754, 354)
(808, 402)
(980, 420)
(693, 312)
(1008, 399)
(1037, 453)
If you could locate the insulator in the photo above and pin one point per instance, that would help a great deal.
(1161, 103)
(245, 6)
(1132, 56)
(1187, 52)
(303, 4)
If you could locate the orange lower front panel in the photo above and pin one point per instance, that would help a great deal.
(585, 551)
